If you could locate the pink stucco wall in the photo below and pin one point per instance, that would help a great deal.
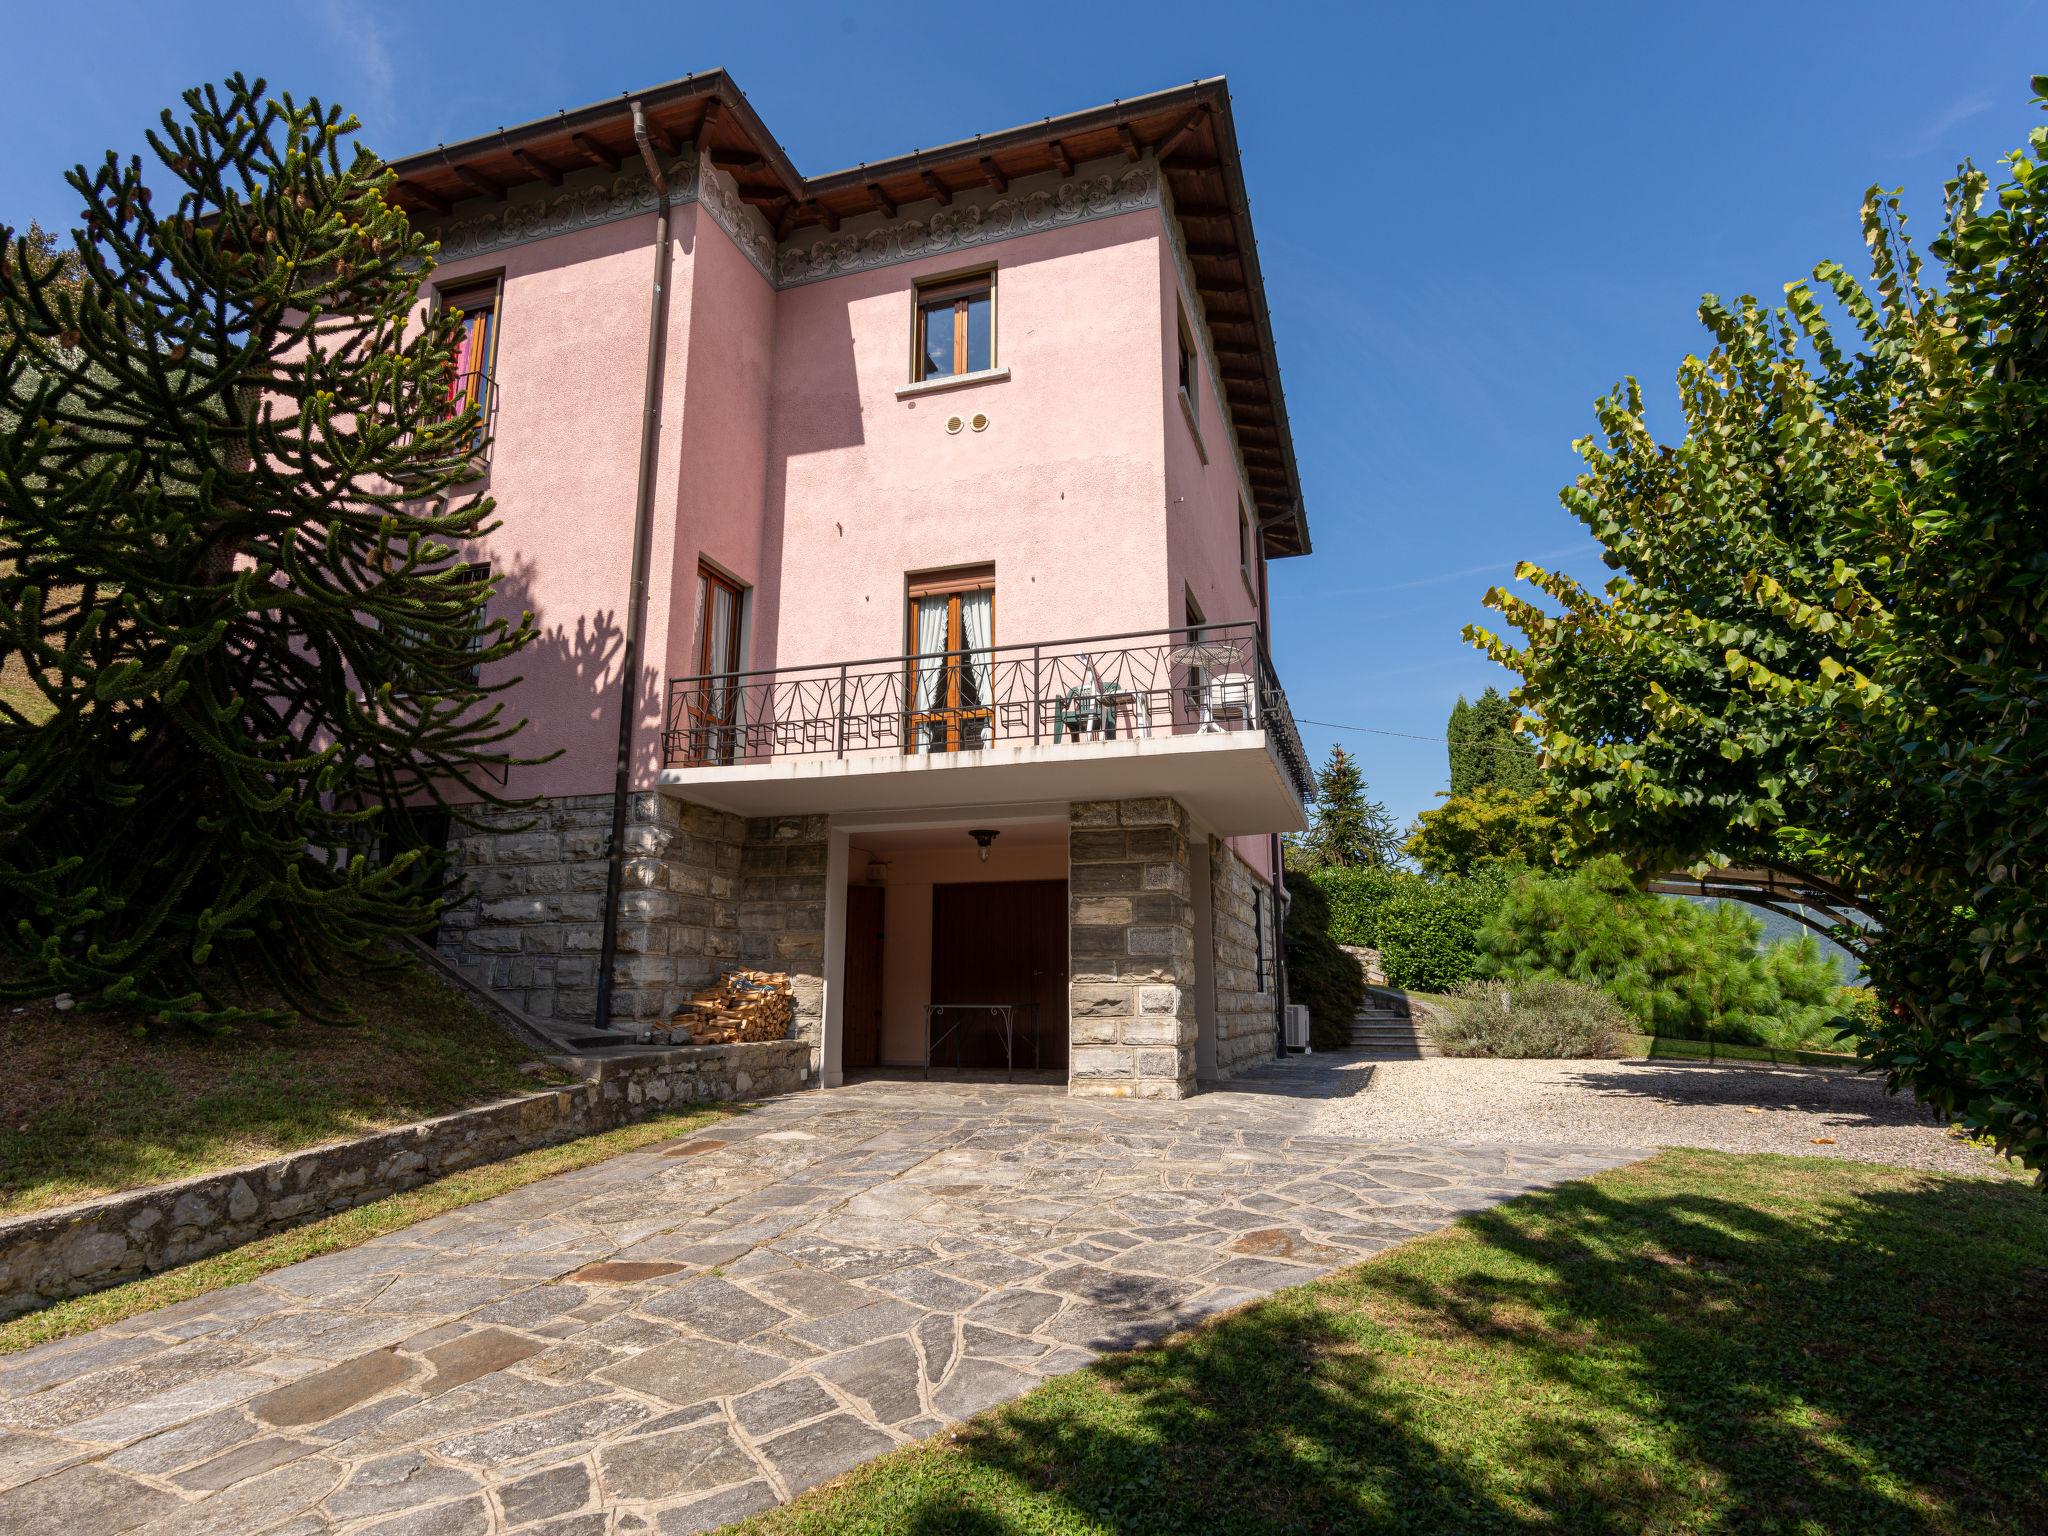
(1202, 499)
(787, 461)
(1063, 492)
(571, 353)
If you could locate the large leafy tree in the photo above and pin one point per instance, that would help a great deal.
(1825, 646)
(1489, 825)
(230, 516)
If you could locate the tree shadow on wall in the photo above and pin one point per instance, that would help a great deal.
(1596, 1358)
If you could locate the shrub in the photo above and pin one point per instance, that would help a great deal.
(1536, 1018)
(1425, 930)
(1679, 968)
(1319, 974)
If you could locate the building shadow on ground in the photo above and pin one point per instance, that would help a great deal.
(1641, 1354)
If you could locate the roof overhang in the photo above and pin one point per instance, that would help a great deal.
(1188, 130)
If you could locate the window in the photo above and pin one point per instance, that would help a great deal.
(1189, 375)
(712, 707)
(956, 327)
(478, 576)
(1245, 546)
(472, 371)
(951, 683)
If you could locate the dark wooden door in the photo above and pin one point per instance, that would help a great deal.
(861, 1018)
(1001, 942)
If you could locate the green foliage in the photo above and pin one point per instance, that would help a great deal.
(1538, 1018)
(1680, 968)
(1488, 825)
(1319, 974)
(1487, 750)
(1349, 830)
(230, 509)
(1425, 930)
(1823, 647)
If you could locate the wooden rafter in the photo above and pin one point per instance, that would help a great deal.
(994, 173)
(476, 181)
(1059, 156)
(595, 151)
(881, 199)
(550, 174)
(418, 193)
(1175, 139)
(735, 160)
(707, 122)
(936, 187)
(1129, 140)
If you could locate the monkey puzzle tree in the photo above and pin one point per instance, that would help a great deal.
(230, 522)
(1824, 646)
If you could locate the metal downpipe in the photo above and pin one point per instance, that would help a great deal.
(636, 597)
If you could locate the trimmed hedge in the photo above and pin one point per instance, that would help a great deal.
(1319, 974)
(1425, 930)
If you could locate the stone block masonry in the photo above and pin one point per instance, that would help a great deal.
(1242, 919)
(703, 892)
(49, 1255)
(1131, 938)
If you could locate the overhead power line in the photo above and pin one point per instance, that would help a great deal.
(1442, 741)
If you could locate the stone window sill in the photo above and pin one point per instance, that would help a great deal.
(951, 381)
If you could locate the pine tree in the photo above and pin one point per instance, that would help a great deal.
(230, 514)
(1487, 751)
(1350, 830)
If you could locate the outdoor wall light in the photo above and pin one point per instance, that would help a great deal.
(983, 837)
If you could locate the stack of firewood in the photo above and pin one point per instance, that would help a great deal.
(741, 1005)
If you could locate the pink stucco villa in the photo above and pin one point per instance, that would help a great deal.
(899, 538)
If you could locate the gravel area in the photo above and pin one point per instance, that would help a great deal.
(1803, 1111)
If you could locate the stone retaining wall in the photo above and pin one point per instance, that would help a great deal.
(49, 1255)
(1131, 940)
(1241, 917)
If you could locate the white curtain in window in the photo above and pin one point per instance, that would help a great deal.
(931, 665)
(977, 614)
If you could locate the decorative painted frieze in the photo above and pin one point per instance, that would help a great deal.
(628, 194)
(966, 225)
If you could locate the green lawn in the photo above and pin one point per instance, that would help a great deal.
(88, 1105)
(1702, 1342)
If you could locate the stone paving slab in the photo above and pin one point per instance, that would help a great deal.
(679, 1337)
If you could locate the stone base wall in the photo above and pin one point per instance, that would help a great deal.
(781, 913)
(1245, 1023)
(53, 1254)
(701, 893)
(1131, 938)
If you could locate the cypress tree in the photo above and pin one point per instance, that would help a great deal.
(1486, 751)
(231, 511)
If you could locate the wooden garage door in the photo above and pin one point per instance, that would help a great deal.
(1002, 942)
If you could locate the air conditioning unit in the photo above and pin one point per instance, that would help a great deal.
(1296, 1032)
(1228, 696)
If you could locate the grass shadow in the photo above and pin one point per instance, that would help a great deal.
(1701, 1342)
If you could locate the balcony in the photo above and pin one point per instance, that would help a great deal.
(1197, 714)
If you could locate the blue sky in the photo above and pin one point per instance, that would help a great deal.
(1473, 219)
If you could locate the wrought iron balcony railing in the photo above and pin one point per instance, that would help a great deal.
(1173, 682)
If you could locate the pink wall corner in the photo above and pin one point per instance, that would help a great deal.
(1063, 491)
(717, 511)
(1202, 500)
(572, 343)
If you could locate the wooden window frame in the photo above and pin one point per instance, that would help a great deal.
(1188, 377)
(710, 726)
(960, 287)
(465, 295)
(951, 585)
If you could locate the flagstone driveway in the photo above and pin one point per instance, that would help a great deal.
(675, 1338)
